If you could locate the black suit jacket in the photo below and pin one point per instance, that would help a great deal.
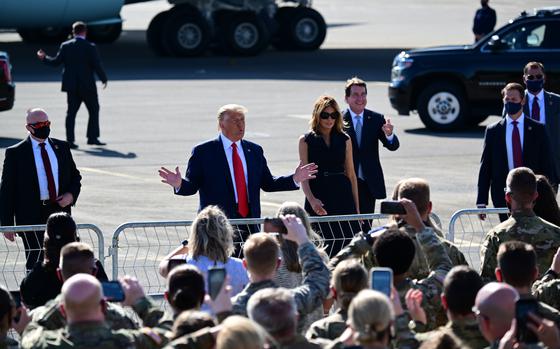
(494, 162)
(81, 60)
(19, 189)
(208, 172)
(368, 154)
(552, 126)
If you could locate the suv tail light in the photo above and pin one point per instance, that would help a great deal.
(5, 75)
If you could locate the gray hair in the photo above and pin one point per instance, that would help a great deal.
(231, 108)
(275, 310)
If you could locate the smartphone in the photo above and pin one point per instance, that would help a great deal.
(392, 207)
(382, 280)
(522, 308)
(274, 225)
(173, 263)
(113, 291)
(216, 278)
(16, 295)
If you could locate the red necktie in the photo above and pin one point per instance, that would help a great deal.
(536, 110)
(516, 145)
(240, 186)
(48, 170)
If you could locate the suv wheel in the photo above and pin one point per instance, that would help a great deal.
(442, 107)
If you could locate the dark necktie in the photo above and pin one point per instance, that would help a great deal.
(48, 170)
(536, 110)
(240, 185)
(516, 146)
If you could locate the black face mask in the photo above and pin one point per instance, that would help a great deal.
(42, 133)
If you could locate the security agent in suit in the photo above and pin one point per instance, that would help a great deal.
(366, 128)
(230, 172)
(512, 142)
(81, 60)
(544, 107)
(39, 178)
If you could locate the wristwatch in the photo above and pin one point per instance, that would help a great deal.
(552, 273)
(185, 243)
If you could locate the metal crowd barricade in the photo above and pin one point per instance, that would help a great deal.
(138, 247)
(467, 230)
(12, 254)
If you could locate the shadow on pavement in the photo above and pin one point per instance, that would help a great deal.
(8, 142)
(108, 153)
(130, 58)
(475, 132)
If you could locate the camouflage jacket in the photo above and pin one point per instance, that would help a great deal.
(466, 330)
(330, 327)
(439, 265)
(308, 296)
(91, 335)
(49, 316)
(522, 226)
(547, 290)
(8, 343)
(298, 342)
(201, 339)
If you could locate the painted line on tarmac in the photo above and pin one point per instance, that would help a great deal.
(117, 174)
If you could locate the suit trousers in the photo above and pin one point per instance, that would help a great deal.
(367, 202)
(75, 99)
(33, 241)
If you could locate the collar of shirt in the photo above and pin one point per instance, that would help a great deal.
(80, 37)
(531, 96)
(520, 121)
(35, 143)
(355, 117)
(227, 142)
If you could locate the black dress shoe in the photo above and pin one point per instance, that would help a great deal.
(95, 142)
(72, 145)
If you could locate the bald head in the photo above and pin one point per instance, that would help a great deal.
(36, 115)
(81, 298)
(496, 305)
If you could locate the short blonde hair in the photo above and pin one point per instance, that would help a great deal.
(231, 108)
(370, 314)
(261, 252)
(211, 235)
(241, 333)
(322, 103)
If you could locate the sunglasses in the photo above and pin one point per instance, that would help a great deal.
(535, 77)
(334, 115)
(40, 124)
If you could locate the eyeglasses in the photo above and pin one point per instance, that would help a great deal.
(40, 124)
(534, 77)
(334, 115)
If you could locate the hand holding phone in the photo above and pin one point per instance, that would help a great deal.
(113, 291)
(524, 307)
(392, 207)
(216, 278)
(274, 225)
(382, 280)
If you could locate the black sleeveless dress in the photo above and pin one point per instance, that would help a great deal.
(332, 187)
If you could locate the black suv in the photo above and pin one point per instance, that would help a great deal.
(7, 87)
(453, 87)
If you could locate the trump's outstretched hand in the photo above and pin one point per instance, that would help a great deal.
(305, 172)
(174, 179)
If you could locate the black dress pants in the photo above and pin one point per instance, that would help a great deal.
(367, 202)
(75, 99)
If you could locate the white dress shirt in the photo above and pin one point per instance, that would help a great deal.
(41, 174)
(509, 132)
(540, 96)
(229, 155)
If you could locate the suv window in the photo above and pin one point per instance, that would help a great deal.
(529, 36)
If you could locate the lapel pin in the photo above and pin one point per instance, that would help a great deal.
(530, 128)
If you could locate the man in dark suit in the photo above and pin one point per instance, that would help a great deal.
(230, 171)
(81, 60)
(39, 178)
(515, 141)
(484, 20)
(544, 107)
(366, 129)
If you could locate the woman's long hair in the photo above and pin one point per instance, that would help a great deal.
(322, 103)
(211, 235)
(546, 205)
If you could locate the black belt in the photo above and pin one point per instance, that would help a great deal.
(327, 174)
(47, 202)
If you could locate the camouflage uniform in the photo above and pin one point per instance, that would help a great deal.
(308, 296)
(8, 343)
(547, 290)
(330, 327)
(431, 286)
(91, 335)
(298, 342)
(201, 339)
(466, 330)
(522, 226)
(50, 317)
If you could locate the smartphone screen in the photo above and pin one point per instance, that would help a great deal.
(392, 207)
(522, 308)
(382, 280)
(216, 278)
(274, 225)
(112, 290)
(16, 295)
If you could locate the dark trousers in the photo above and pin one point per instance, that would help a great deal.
(75, 99)
(33, 241)
(367, 202)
